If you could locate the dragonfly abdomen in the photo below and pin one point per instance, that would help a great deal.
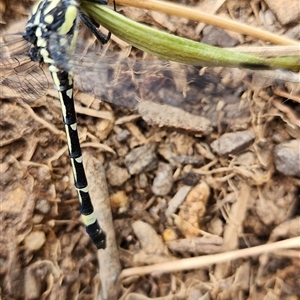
(52, 32)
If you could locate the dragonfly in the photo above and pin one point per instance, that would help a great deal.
(51, 33)
(164, 93)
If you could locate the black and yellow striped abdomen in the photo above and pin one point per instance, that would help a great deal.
(52, 31)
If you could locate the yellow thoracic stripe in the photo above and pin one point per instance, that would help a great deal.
(70, 18)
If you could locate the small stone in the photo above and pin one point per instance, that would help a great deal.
(119, 202)
(35, 240)
(143, 181)
(190, 178)
(177, 200)
(116, 175)
(233, 142)
(217, 37)
(163, 180)
(169, 234)
(141, 158)
(123, 135)
(189, 160)
(42, 206)
(194, 206)
(149, 240)
(286, 12)
(287, 158)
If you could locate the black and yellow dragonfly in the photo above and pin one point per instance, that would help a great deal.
(51, 34)
(51, 38)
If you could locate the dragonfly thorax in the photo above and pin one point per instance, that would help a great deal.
(52, 31)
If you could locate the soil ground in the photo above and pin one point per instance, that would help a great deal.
(178, 187)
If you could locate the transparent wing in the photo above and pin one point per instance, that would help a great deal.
(130, 81)
(19, 76)
(134, 83)
(172, 94)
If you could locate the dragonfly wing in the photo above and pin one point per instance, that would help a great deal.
(28, 85)
(19, 76)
